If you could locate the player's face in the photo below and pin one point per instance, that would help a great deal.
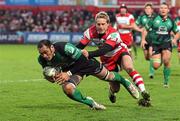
(46, 52)
(123, 11)
(101, 25)
(148, 10)
(164, 10)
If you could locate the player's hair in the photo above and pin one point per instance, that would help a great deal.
(44, 42)
(148, 4)
(164, 3)
(104, 15)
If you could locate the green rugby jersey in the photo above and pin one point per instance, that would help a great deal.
(66, 57)
(160, 29)
(143, 20)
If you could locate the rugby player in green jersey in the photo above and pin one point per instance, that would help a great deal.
(177, 21)
(160, 29)
(141, 22)
(72, 66)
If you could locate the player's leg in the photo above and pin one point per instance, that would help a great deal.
(156, 56)
(114, 88)
(127, 65)
(72, 92)
(179, 56)
(104, 74)
(178, 49)
(134, 49)
(148, 54)
(166, 57)
(151, 69)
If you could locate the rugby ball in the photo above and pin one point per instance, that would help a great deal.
(49, 71)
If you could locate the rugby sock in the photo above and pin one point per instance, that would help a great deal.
(138, 80)
(77, 96)
(151, 69)
(167, 73)
(122, 80)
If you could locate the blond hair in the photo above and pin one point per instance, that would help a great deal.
(104, 15)
(148, 4)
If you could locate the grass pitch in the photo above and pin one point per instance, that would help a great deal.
(26, 96)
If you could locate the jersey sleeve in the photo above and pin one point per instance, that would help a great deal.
(175, 28)
(138, 21)
(149, 24)
(86, 37)
(72, 51)
(42, 62)
(75, 55)
(132, 20)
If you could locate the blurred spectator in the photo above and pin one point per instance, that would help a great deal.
(73, 20)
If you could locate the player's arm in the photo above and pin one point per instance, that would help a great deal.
(176, 32)
(136, 28)
(101, 51)
(143, 38)
(77, 58)
(84, 41)
(108, 46)
(126, 26)
(146, 28)
(176, 37)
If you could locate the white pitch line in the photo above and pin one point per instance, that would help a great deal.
(25, 80)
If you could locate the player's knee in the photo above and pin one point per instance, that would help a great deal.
(68, 88)
(156, 66)
(107, 76)
(156, 63)
(129, 70)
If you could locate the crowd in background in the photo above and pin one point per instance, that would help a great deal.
(44, 21)
(49, 21)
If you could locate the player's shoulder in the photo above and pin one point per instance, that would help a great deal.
(91, 32)
(170, 19)
(58, 45)
(111, 29)
(129, 15)
(112, 32)
(92, 28)
(41, 60)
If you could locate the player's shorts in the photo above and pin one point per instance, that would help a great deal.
(178, 46)
(111, 63)
(127, 39)
(92, 67)
(158, 48)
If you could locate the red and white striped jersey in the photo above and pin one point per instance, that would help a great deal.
(124, 19)
(111, 37)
